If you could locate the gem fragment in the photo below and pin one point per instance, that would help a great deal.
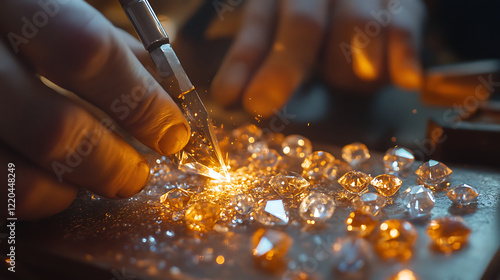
(433, 173)
(176, 199)
(272, 213)
(315, 164)
(316, 207)
(398, 159)
(242, 203)
(355, 182)
(353, 257)
(463, 194)
(386, 184)
(418, 201)
(360, 223)
(289, 184)
(355, 153)
(395, 239)
(296, 146)
(202, 216)
(448, 233)
(370, 203)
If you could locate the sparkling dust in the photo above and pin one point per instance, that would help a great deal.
(316, 207)
(463, 194)
(355, 153)
(448, 233)
(242, 204)
(398, 159)
(394, 239)
(386, 184)
(296, 146)
(360, 223)
(289, 184)
(202, 216)
(272, 213)
(418, 201)
(353, 257)
(369, 202)
(315, 164)
(355, 181)
(176, 199)
(433, 173)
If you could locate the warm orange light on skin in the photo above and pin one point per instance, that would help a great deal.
(363, 62)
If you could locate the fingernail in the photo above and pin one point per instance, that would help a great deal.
(174, 139)
(137, 181)
(229, 83)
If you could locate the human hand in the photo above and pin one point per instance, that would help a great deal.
(361, 45)
(55, 143)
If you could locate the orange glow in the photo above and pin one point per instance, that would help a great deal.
(362, 65)
(220, 259)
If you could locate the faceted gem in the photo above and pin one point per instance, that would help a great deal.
(448, 233)
(370, 203)
(257, 148)
(398, 159)
(289, 184)
(296, 146)
(270, 245)
(271, 213)
(355, 181)
(418, 201)
(386, 184)
(463, 194)
(176, 199)
(394, 239)
(202, 216)
(242, 203)
(360, 223)
(354, 256)
(316, 207)
(337, 170)
(433, 173)
(246, 135)
(404, 274)
(267, 161)
(315, 164)
(355, 153)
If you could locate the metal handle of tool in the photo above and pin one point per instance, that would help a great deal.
(145, 22)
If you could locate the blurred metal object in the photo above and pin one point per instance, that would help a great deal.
(203, 147)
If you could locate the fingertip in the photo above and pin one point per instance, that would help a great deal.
(137, 180)
(174, 139)
(229, 83)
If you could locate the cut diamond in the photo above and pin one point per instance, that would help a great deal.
(448, 233)
(360, 223)
(269, 247)
(355, 153)
(202, 216)
(296, 146)
(418, 201)
(315, 164)
(316, 207)
(370, 202)
(394, 239)
(386, 184)
(433, 173)
(398, 159)
(355, 182)
(242, 203)
(272, 213)
(463, 194)
(176, 199)
(289, 184)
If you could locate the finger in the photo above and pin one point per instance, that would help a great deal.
(37, 194)
(63, 138)
(78, 49)
(356, 51)
(404, 43)
(138, 49)
(247, 52)
(300, 33)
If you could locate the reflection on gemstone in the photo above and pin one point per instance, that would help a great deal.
(316, 207)
(418, 201)
(355, 182)
(463, 194)
(202, 216)
(242, 203)
(270, 247)
(289, 184)
(433, 173)
(296, 146)
(398, 159)
(355, 153)
(245, 135)
(394, 239)
(369, 202)
(267, 160)
(315, 164)
(448, 233)
(360, 223)
(271, 213)
(386, 184)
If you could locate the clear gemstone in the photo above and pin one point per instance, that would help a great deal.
(176, 199)
(370, 202)
(463, 194)
(242, 203)
(398, 159)
(289, 184)
(355, 181)
(355, 153)
(270, 246)
(394, 239)
(433, 173)
(360, 223)
(315, 164)
(316, 207)
(418, 201)
(266, 161)
(272, 213)
(246, 135)
(337, 170)
(202, 216)
(296, 146)
(448, 233)
(353, 256)
(386, 184)
(257, 148)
